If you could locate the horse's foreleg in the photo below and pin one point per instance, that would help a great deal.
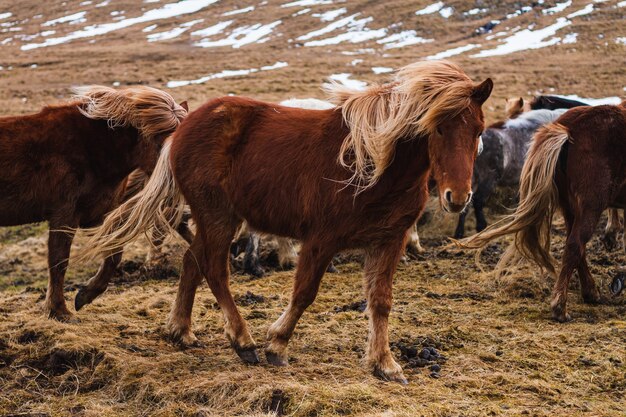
(287, 254)
(380, 265)
(479, 206)
(59, 245)
(312, 264)
(413, 244)
(609, 239)
(99, 282)
(459, 233)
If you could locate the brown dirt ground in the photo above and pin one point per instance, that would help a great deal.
(503, 354)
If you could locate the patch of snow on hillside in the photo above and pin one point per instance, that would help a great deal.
(621, 40)
(446, 12)
(71, 19)
(452, 52)
(330, 15)
(305, 3)
(570, 38)
(346, 21)
(166, 11)
(239, 11)
(585, 10)
(173, 33)
(226, 74)
(404, 38)
(527, 39)
(212, 30)
(558, 8)
(303, 11)
(149, 28)
(474, 11)
(344, 78)
(5, 15)
(381, 70)
(435, 7)
(242, 36)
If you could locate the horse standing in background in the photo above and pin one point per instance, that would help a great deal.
(577, 165)
(355, 176)
(68, 165)
(500, 163)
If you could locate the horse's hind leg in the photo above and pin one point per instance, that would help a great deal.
(312, 264)
(609, 239)
(380, 265)
(287, 254)
(99, 282)
(59, 245)
(251, 260)
(583, 225)
(179, 322)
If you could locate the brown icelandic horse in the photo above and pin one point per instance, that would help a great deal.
(351, 177)
(68, 165)
(576, 164)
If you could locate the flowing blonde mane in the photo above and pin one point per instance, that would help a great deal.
(147, 109)
(412, 105)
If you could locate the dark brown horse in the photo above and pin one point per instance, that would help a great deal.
(351, 177)
(68, 165)
(577, 165)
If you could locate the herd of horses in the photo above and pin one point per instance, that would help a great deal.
(121, 163)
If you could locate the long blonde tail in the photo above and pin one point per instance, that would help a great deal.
(160, 205)
(532, 220)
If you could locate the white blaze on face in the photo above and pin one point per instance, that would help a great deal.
(480, 145)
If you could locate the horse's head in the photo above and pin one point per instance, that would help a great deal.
(453, 149)
(514, 107)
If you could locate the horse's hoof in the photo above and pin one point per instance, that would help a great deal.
(84, 297)
(593, 298)
(248, 355)
(275, 359)
(391, 376)
(63, 317)
(609, 242)
(561, 317)
(255, 271)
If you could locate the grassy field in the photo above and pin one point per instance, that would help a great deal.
(499, 352)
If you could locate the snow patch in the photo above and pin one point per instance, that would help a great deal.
(173, 33)
(226, 74)
(570, 38)
(558, 8)
(435, 7)
(344, 78)
(527, 39)
(404, 38)
(212, 30)
(242, 36)
(5, 15)
(305, 3)
(452, 52)
(446, 12)
(239, 11)
(330, 15)
(164, 12)
(70, 18)
(381, 70)
(585, 10)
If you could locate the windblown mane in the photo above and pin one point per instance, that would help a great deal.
(149, 110)
(412, 105)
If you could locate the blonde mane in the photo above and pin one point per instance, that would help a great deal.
(412, 105)
(149, 110)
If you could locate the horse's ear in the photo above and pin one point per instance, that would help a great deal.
(184, 105)
(482, 91)
(521, 102)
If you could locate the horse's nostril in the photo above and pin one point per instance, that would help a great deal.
(448, 196)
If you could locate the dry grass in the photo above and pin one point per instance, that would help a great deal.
(505, 355)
